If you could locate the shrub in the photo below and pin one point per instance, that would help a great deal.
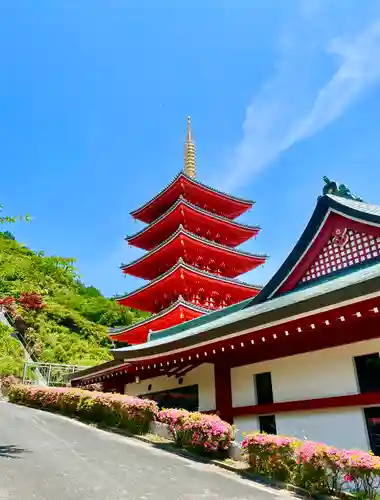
(313, 466)
(205, 433)
(6, 383)
(9, 381)
(271, 455)
(116, 410)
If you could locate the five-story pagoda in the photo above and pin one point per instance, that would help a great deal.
(192, 261)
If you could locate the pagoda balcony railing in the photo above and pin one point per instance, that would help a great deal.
(206, 303)
(207, 268)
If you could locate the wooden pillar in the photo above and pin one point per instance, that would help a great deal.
(223, 390)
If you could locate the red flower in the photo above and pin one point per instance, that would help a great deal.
(32, 301)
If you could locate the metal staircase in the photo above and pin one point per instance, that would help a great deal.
(36, 372)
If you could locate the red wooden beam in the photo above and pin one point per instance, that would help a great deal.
(223, 390)
(367, 399)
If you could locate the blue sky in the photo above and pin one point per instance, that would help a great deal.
(93, 103)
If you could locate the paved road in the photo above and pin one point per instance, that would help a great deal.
(48, 457)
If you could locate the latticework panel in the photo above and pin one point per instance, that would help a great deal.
(344, 249)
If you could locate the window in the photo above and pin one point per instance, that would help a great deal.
(183, 397)
(368, 372)
(268, 424)
(372, 418)
(264, 390)
(264, 396)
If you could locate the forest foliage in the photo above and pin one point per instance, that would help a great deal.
(61, 319)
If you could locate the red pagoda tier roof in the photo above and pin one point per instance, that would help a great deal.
(193, 285)
(198, 194)
(138, 333)
(196, 251)
(195, 220)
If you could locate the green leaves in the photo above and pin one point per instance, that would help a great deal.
(10, 220)
(11, 353)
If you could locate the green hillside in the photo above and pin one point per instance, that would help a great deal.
(61, 319)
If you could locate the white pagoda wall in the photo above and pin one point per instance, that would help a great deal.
(203, 375)
(325, 373)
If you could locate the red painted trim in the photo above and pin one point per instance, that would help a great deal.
(336, 334)
(139, 332)
(333, 222)
(368, 399)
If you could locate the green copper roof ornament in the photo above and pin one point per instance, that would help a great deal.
(332, 187)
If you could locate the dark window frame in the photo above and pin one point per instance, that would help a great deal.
(367, 369)
(264, 388)
(267, 424)
(372, 420)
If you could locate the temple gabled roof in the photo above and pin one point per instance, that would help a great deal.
(184, 213)
(144, 297)
(165, 255)
(197, 193)
(336, 214)
(360, 285)
(139, 332)
(216, 325)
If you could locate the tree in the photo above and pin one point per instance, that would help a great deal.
(7, 235)
(9, 219)
(61, 319)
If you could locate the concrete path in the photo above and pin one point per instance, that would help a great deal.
(48, 457)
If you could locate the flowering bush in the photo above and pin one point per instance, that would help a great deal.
(128, 412)
(271, 455)
(313, 466)
(206, 433)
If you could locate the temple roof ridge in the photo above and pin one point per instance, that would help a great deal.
(190, 268)
(183, 200)
(182, 230)
(197, 183)
(360, 206)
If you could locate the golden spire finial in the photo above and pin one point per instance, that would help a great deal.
(190, 162)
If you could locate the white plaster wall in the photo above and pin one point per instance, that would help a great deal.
(329, 372)
(203, 375)
(246, 424)
(343, 428)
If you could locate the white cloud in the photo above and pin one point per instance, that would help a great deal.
(295, 105)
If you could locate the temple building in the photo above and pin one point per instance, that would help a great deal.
(191, 261)
(299, 358)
